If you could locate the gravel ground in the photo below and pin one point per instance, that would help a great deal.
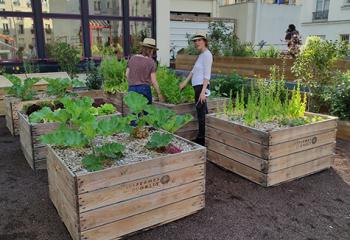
(315, 207)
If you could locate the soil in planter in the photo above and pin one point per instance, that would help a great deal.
(135, 151)
(272, 125)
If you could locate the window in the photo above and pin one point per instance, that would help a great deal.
(106, 37)
(100, 28)
(21, 29)
(105, 7)
(17, 41)
(61, 6)
(138, 32)
(140, 8)
(63, 30)
(345, 38)
(322, 5)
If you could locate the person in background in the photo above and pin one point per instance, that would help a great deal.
(200, 77)
(141, 71)
(293, 40)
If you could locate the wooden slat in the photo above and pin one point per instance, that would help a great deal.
(237, 155)
(158, 217)
(301, 144)
(140, 187)
(114, 176)
(238, 142)
(62, 193)
(26, 140)
(112, 213)
(289, 134)
(300, 157)
(298, 171)
(239, 130)
(343, 130)
(237, 168)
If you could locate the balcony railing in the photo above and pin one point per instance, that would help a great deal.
(320, 15)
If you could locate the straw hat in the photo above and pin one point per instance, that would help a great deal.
(199, 35)
(149, 42)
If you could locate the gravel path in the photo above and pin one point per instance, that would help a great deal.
(316, 207)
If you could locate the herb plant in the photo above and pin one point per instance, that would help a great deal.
(23, 90)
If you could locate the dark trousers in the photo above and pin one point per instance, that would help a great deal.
(202, 110)
(144, 90)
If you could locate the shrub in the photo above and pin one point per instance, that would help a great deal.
(315, 67)
(93, 79)
(338, 96)
(221, 86)
(67, 57)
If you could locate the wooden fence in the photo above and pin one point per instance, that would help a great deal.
(247, 66)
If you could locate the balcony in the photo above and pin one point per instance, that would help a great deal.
(320, 15)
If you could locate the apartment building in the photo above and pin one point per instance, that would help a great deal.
(329, 19)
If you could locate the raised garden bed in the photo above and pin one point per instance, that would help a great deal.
(12, 106)
(248, 66)
(122, 200)
(34, 151)
(118, 100)
(343, 130)
(271, 157)
(190, 130)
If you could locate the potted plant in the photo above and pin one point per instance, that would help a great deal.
(44, 117)
(270, 138)
(181, 102)
(108, 179)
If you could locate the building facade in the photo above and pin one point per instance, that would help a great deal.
(329, 19)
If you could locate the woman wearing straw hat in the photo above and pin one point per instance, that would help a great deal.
(200, 77)
(141, 71)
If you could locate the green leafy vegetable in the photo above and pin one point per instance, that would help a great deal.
(113, 73)
(159, 140)
(23, 90)
(111, 150)
(106, 109)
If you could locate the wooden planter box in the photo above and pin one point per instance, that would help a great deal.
(248, 66)
(118, 100)
(34, 151)
(190, 130)
(119, 201)
(270, 158)
(343, 130)
(12, 106)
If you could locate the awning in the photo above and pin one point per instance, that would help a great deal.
(100, 24)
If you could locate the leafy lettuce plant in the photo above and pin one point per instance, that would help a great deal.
(23, 90)
(159, 118)
(79, 128)
(169, 87)
(113, 73)
(60, 86)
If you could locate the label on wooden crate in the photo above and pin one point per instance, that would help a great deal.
(151, 183)
(306, 142)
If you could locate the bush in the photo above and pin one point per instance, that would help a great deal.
(338, 96)
(67, 57)
(315, 67)
(270, 52)
(93, 79)
(223, 85)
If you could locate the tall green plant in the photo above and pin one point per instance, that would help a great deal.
(113, 74)
(67, 57)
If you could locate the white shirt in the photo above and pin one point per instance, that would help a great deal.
(202, 68)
